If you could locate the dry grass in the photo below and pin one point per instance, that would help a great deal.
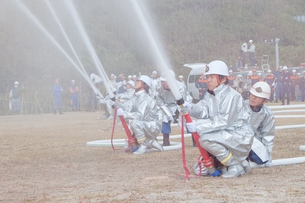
(44, 158)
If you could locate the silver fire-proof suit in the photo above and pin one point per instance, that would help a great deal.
(167, 102)
(144, 117)
(125, 99)
(263, 124)
(155, 82)
(223, 128)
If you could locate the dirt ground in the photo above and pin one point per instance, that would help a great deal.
(44, 158)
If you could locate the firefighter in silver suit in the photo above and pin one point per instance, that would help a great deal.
(262, 122)
(143, 117)
(167, 103)
(125, 99)
(224, 130)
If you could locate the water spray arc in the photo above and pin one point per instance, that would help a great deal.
(96, 91)
(34, 19)
(85, 37)
(158, 53)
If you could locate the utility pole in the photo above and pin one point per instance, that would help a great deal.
(276, 42)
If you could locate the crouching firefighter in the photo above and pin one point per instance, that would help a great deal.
(262, 122)
(143, 117)
(224, 130)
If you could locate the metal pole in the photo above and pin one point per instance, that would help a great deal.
(277, 60)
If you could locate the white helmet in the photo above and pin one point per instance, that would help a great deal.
(145, 79)
(250, 73)
(239, 76)
(250, 41)
(259, 74)
(171, 74)
(131, 83)
(129, 76)
(154, 72)
(180, 76)
(299, 74)
(261, 89)
(72, 81)
(294, 71)
(285, 68)
(216, 67)
(230, 71)
(16, 83)
(269, 71)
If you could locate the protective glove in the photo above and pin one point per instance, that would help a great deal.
(188, 105)
(191, 127)
(120, 112)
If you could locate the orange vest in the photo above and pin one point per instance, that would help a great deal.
(292, 79)
(270, 77)
(254, 77)
(201, 80)
(231, 77)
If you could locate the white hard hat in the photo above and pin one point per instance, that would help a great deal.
(239, 76)
(72, 80)
(259, 74)
(250, 73)
(134, 76)
(131, 83)
(294, 71)
(285, 68)
(16, 83)
(261, 89)
(154, 72)
(216, 67)
(129, 76)
(269, 71)
(298, 73)
(171, 74)
(113, 75)
(145, 79)
(230, 71)
(180, 76)
(250, 41)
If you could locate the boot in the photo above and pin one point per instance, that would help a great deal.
(142, 149)
(247, 168)
(234, 168)
(166, 140)
(155, 144)
(233, 171)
